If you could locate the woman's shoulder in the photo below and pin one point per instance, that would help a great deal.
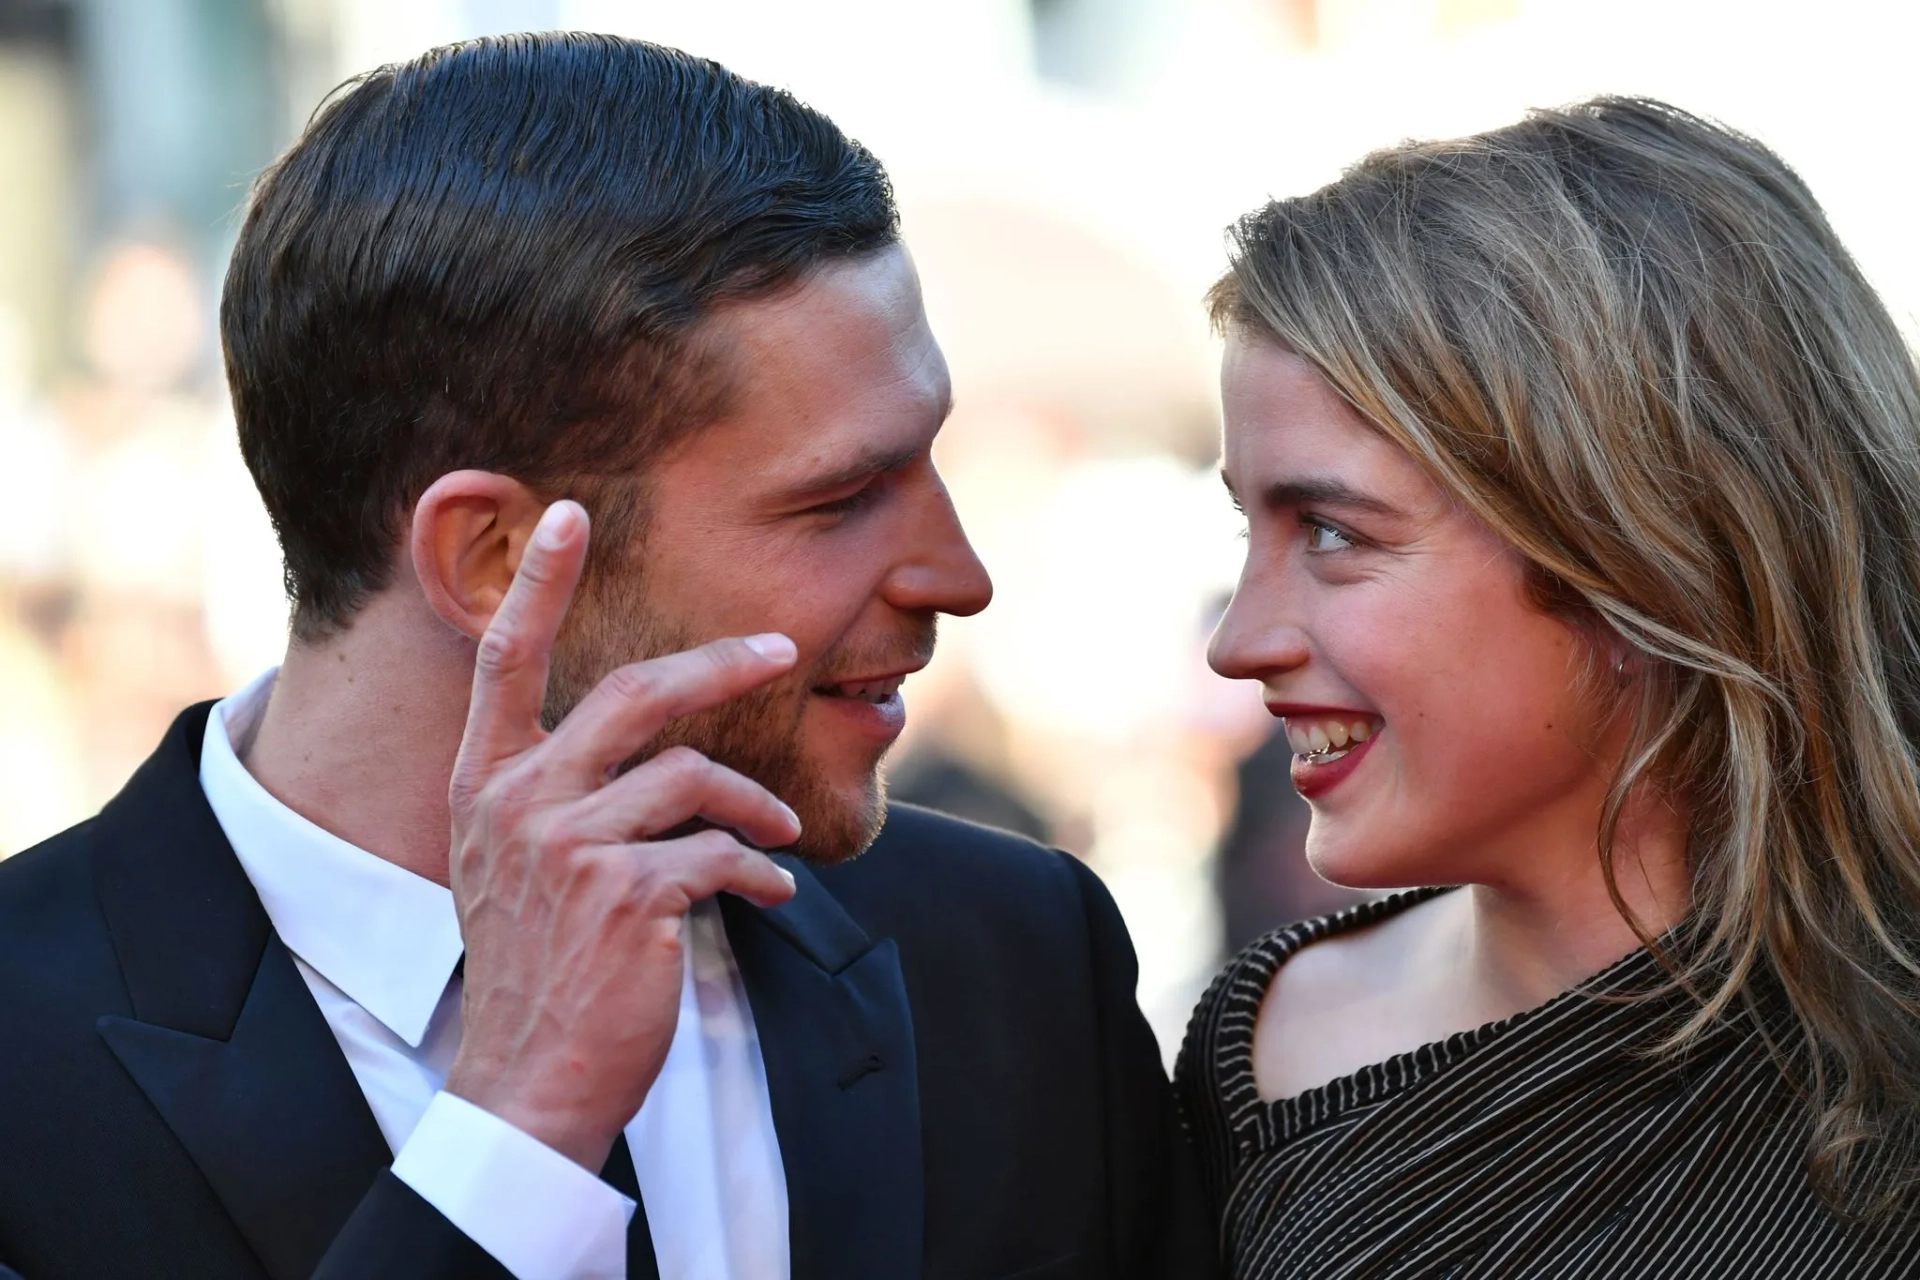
(1213, 1077)
(1219, 1035)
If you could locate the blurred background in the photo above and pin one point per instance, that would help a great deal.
(1065, 169)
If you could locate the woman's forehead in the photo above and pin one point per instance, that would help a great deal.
(1288, 428)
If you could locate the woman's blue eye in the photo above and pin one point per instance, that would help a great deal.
(1322, 536)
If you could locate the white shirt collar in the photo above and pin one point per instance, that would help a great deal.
(387, 938)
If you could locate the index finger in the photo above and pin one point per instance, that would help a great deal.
(633, 703)
(510, 669)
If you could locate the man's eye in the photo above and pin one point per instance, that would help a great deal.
(1322, 536)
(855, 501)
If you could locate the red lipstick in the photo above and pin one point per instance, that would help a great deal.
(1313, 778)
(1314, 775)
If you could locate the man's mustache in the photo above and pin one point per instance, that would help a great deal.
(910, 649)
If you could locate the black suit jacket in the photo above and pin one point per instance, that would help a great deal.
(963, 1086)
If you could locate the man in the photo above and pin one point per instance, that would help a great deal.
(407, 960)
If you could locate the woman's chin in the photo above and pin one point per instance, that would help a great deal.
(1355, 865)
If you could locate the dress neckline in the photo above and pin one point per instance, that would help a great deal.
(1264, 1122)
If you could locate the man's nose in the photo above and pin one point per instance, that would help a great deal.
(941, 573)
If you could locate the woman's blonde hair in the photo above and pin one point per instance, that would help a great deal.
(1628, 341)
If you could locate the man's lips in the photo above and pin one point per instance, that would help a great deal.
(879, 686)
(871, 705)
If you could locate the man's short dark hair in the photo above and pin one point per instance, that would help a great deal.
(498, 256)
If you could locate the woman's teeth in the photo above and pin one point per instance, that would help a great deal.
(1323, 740)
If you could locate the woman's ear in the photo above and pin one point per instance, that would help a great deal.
(469, 529)
(1624, 661)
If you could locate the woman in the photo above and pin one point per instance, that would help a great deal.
(1582, 476)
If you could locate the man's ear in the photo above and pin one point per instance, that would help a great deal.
(469, 530)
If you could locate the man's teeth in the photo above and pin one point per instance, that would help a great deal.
(1326, 739)
(868, 690)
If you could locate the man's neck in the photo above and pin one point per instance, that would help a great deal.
(360, 731)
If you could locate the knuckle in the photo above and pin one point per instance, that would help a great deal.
(510, 792)
(720, 846)
(501, 650)
(608, 869)
(505, 801)
(645, 888)
(593, 874)
(729, 656)
(536, 566)
(684, 767)
(634, 682)
(464, 787)
(559, 832)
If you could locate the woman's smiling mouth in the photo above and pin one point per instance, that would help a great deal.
(1323, 738)
(1327, 743)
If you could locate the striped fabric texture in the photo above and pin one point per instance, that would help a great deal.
(1547, 1146)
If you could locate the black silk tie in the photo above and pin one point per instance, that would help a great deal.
(618, 1174)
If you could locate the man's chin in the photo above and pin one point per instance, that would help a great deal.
(837, 828)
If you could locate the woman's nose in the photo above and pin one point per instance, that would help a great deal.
(1252, 641)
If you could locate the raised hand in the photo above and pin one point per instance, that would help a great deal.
(570, 908)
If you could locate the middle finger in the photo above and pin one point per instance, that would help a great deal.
(633, 703)
(680, 784)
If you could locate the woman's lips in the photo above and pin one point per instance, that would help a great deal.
(1314, 776)
(1328, 741)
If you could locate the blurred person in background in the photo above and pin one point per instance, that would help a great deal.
(1126, 746)
(1582, 473)
(39, 740)
(954, 758)
(145, 434)
(410, 958)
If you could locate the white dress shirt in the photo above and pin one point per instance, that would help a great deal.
(377, 946)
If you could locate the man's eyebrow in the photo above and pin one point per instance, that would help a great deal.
(863, 467)
(1318, 491)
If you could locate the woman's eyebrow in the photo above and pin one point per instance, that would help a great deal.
(1318, 491)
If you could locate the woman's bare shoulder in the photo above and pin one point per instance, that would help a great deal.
(1350, 999)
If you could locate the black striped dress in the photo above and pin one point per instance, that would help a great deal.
(1547, 1146)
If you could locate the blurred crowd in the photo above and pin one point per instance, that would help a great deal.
(136, 567)
(1065, 167)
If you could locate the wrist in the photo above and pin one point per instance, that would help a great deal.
(582, 1137)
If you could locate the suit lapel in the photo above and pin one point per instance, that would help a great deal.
(225, 1039)
(836, 1033)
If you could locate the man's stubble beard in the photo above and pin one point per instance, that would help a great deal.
(758, 734)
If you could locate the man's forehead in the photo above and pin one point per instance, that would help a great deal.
(885, 437)
(844, 365)
(855, 307)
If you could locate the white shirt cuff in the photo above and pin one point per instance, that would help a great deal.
(539, 1214)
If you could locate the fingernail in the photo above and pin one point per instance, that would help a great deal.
(773, 646)
(556, 522)
(792, 817)
(787, 876)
